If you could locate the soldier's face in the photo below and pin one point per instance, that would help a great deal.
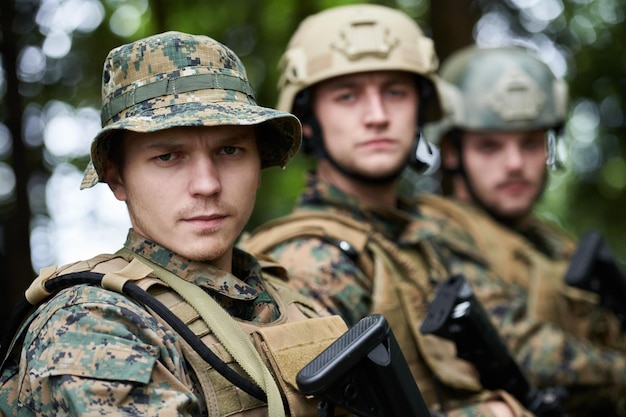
(368, 120)
(506, 170)
(190, 189)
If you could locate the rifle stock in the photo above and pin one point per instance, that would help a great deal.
(456, 315)
(364, 372)
(593, 268)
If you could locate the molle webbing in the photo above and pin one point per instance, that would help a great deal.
(402, 289)
(281, 349)
(302, 224)
(293, 340)
(226, 330)
(515, 260)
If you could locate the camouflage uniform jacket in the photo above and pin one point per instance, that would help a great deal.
(319, 268)
(534, 256)
(92, 351)
(551, 355)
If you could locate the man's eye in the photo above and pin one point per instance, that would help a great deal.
(396, 92)
(487, 147)
(165, 157)
(345, 96)
(230, 150)
(534, 144)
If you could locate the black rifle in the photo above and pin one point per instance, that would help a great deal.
(456, 315)
(365, 373)
(593, 268)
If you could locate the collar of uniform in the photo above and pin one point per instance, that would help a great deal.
(200, 273)
(546, 238)
(402, 224)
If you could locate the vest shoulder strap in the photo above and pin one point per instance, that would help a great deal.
(307, 223)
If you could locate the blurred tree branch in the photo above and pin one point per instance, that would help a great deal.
(15, 215)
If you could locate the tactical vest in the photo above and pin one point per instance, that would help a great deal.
(401, 293)
(286, 345)
(513, 258)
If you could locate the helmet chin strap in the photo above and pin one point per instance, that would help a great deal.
(476, 199)
(315, 146)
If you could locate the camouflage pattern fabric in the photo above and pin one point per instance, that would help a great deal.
(330, 275)
(588, 352)
(534, 250)
(176, 79)
(91, 351)
(319, 269)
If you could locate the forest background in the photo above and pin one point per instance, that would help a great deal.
(51, 56)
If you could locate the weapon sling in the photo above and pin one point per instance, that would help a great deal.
(234, 339)
(132, 290)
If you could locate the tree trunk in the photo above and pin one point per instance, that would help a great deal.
(17, 271)
(452, 23)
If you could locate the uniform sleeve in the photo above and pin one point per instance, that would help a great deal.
(481, 407)
(322, 271)
(550, 355)
(92, 352)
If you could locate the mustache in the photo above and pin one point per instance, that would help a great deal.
(514, 179)
(204, 208)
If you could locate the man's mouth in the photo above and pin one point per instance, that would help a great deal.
(208, 220)
(514, 187)
(380, 143)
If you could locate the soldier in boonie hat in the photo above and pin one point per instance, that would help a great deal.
(178, 321)
(175, 79)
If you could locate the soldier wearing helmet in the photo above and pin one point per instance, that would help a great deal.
(503, 111)
(163, 326)
(360, 78)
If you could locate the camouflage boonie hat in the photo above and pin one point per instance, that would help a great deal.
(175, 79)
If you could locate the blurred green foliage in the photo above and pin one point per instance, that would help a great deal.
(589, 193)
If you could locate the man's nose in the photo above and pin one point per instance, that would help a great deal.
(375, 110)
(514, 157)
(204, 177)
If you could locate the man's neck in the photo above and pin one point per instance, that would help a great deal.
(376, 194)
(461, 193)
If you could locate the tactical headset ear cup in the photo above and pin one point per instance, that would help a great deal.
(425, 157)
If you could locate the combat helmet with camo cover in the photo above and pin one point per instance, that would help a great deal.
(498, 89)
(176, 79)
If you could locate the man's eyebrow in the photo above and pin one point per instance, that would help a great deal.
(342, 83)
(173, 144)
(236, 138)
(351, 83)
(163, 145)
(240, 135)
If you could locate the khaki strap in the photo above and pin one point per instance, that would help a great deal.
(37, 292)
(133, 271)
(305, 223)
(170, 86)
(226, 329)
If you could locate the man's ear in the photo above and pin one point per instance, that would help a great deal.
(449, 154)
(307, 130)
(114, 180)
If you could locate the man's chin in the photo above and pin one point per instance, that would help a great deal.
(204, 253)
(512, 213)
(382, 176)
